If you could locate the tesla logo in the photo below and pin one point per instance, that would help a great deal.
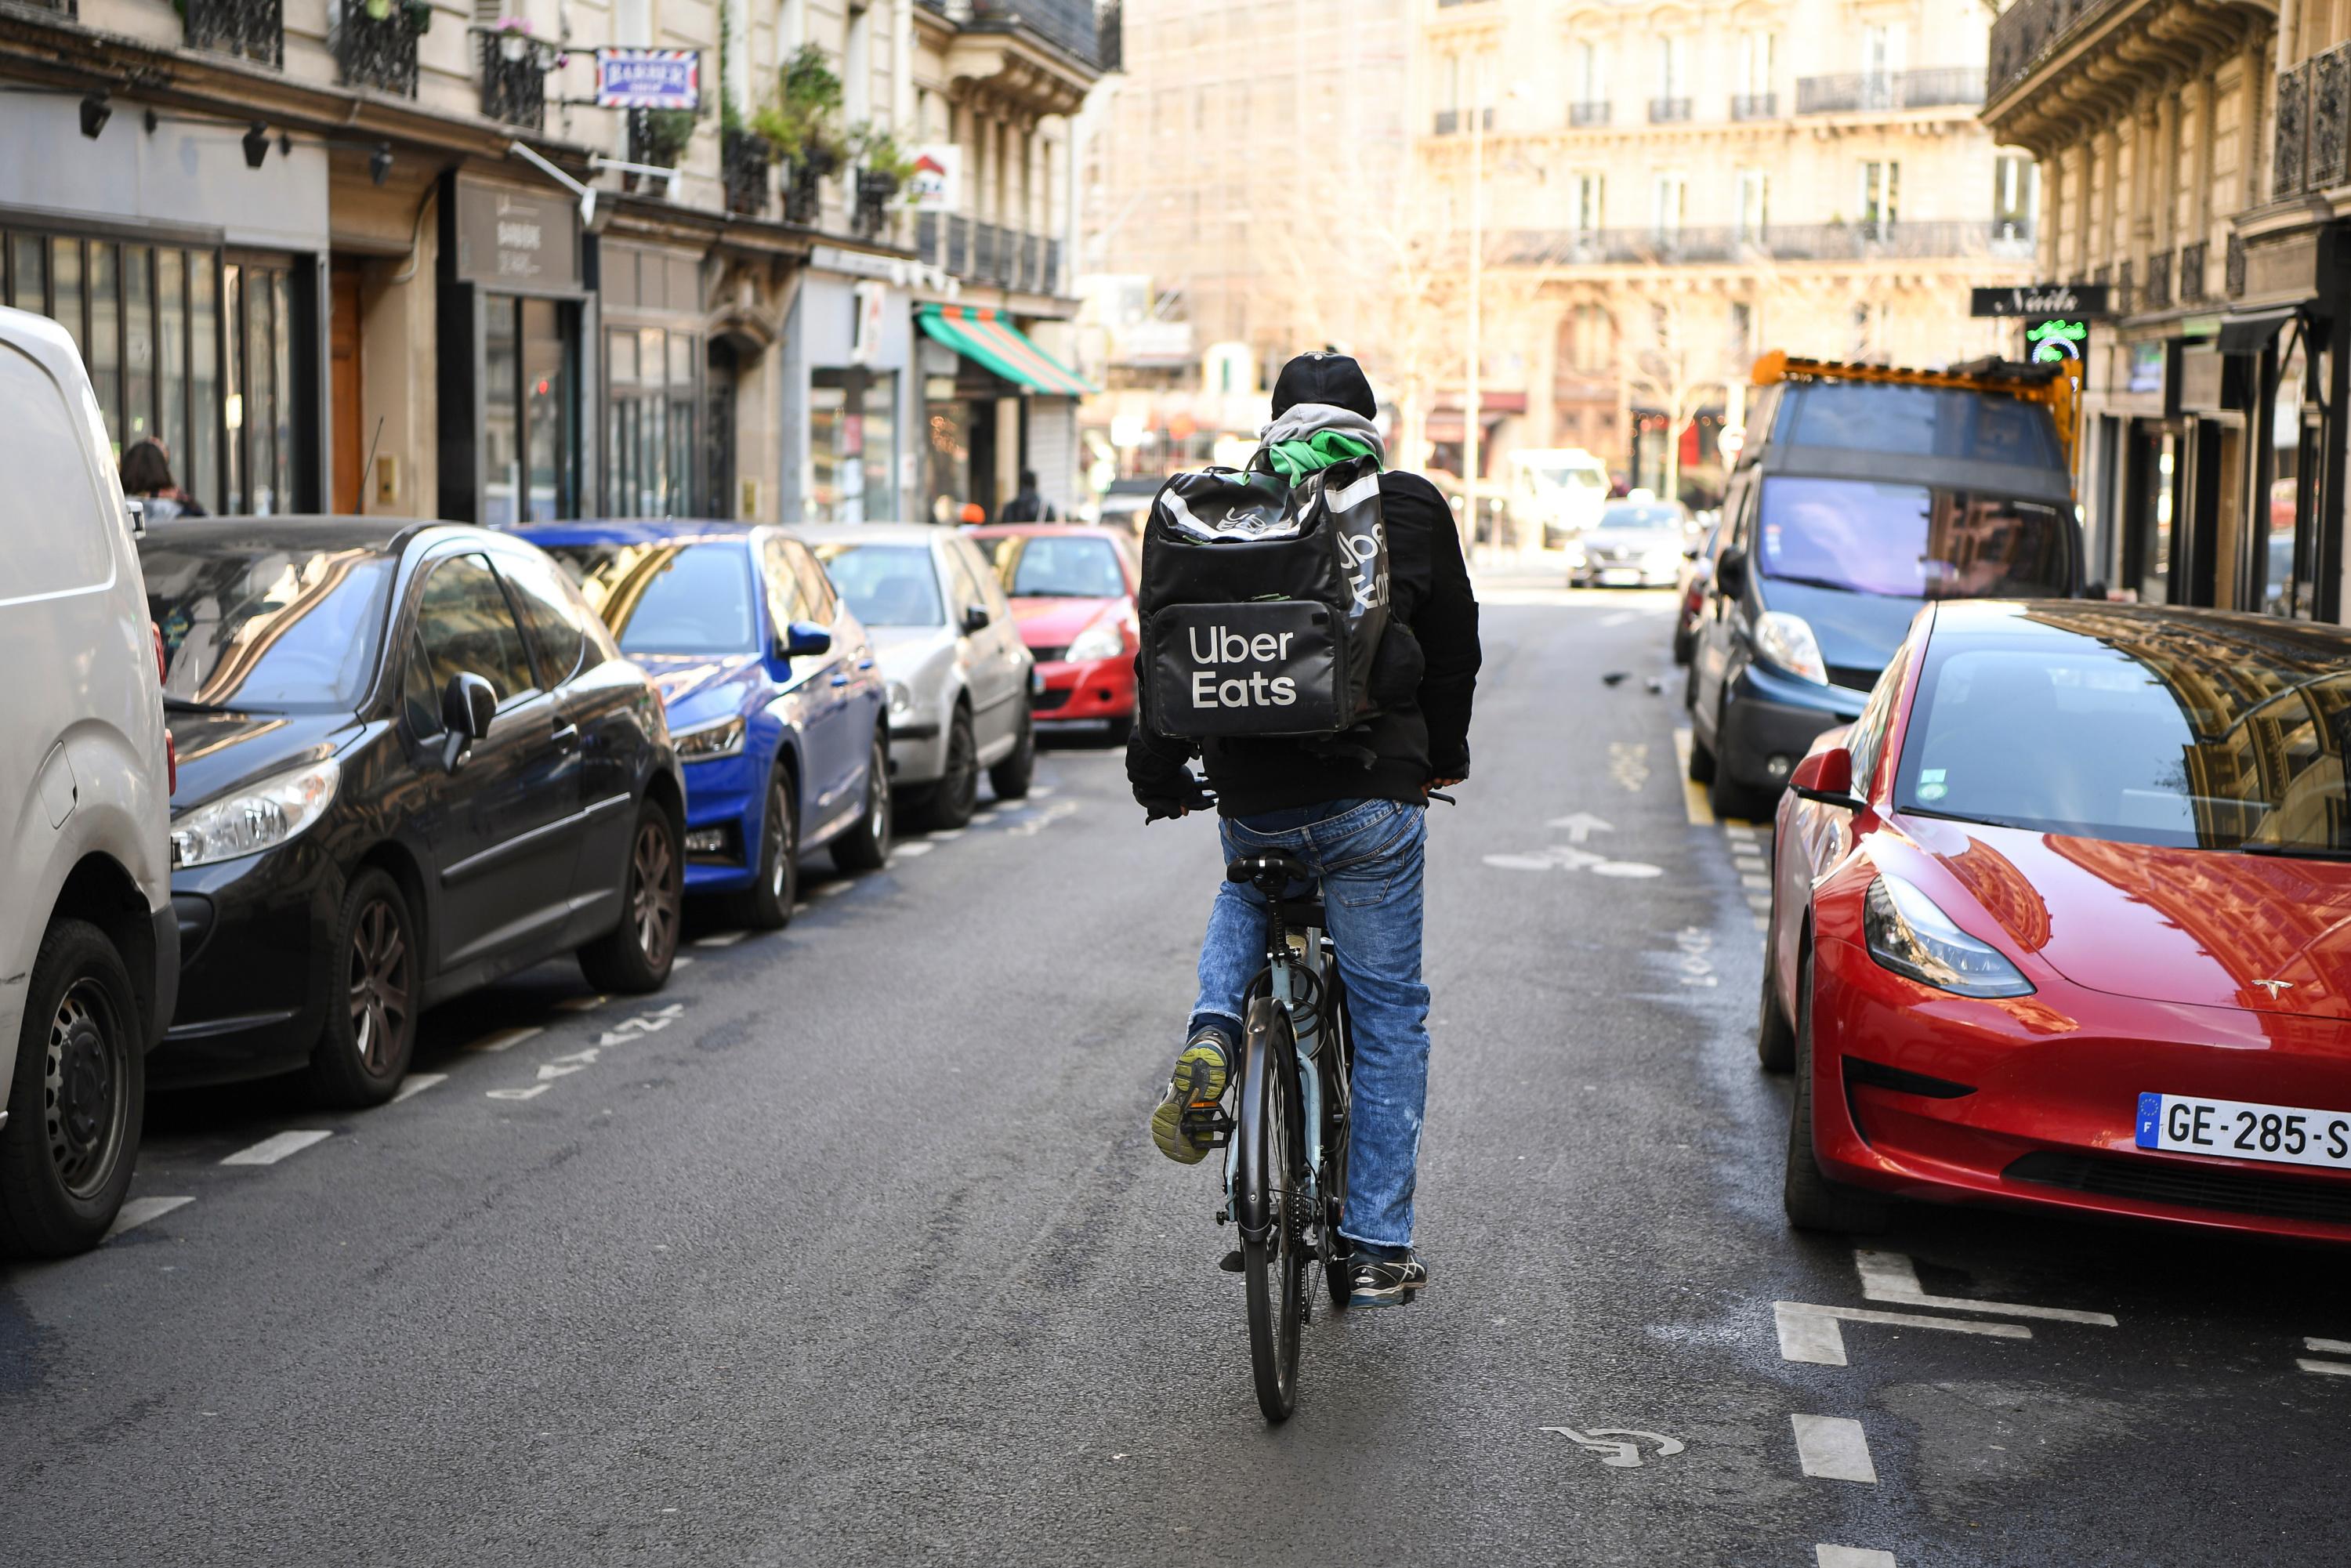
(2274, 986)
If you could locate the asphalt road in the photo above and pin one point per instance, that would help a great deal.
(850, 1248)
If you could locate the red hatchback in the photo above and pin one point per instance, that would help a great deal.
(1072, 592)
(2064, 918)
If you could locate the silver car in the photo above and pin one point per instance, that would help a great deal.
(959, 676)
(1636, 543)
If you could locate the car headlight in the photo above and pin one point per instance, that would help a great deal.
(257, 818)
(1787, 641)
(706, 742)
(1908, 935)
(1105, 638)
(901, 701)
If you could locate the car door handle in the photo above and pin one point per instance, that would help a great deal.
(567, 735)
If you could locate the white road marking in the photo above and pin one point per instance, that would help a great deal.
(1042, 791)
(417, 1083)
(914, 848)
(2329, 1346)
(1519, 862)
(949, 836)
(720, 939)
(1832, 1449)
(1617, 1455)
(2325, 1368)
(800, 908)
(1627, 868)
(277, 1147)
(1737, 832)
(506, 1039)
(680, 962)
(981, 818)
(1853, 1557)
(1580, 826)
(1809, 1332)
(140, 1210)
(1753, 879)
(531, 1093)
(1628, 763)
(582, 1003)
(1044, 819)
(1621, 618)
(829, 889)
(1891, 1277)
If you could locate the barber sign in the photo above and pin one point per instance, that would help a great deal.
(648, 78)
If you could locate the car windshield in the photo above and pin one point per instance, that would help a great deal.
(887, 585)
(1919, 421)
(1566, 476)
(1642, 515)
(1045, 566)
(266, 628)
(668, 598)
(1909, 542)
(2179, 737)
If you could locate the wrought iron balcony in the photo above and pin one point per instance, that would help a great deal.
(1779, 242)
(2033, 30)
(803, 194)
(1050, 283)
(2232, 267)
(1876, 91)
(68, 8)
(378, 51)
(657, 137)
(959, 257)
(874, 193)
(744, 160)
(514, 78)
(1589, 113)
(250, 29)
(1668, 110)
(1070, 24)
(1754, 106)
(2191, 273)
(1448, 121)
(2314, 114)
(2156, 294)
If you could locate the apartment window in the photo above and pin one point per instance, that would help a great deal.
(1591, 340)
(1881, 59)
(1591, 198)
(1672, 66)
(1742, 332)
(1756, 53)
(1453, 82)
(1591, 73)
(1881, 190)
(857, 67)
(1754, 203)
(1668, 197)
(2015, 194)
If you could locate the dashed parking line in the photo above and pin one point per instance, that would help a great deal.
(948, 835)
(140, 1210)
(1852, 1557)
(720, 939)
(1833, 1448)
(1892, 1277)
(2329, 1346)
(417, 1083)
(2325, 1347)
(277, 1145)
(1809, 1332)
(915, 847)
(506, 1039)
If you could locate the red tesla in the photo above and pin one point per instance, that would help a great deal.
(1072, 592)
(2063, 919)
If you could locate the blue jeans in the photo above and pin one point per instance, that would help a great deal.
(1369, 854)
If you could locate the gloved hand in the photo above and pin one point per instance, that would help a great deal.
(1173, 796)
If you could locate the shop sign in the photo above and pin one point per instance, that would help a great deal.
(2057, 340)
(937, 184)
(2086, 300)
(2146, 368)
(648, 78)
(872, 302)
(517, 239)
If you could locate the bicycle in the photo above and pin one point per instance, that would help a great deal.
(1286, 1161)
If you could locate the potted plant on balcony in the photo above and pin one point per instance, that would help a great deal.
(802, 123)
(883, 170)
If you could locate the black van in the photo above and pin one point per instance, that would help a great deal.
(1862, 494)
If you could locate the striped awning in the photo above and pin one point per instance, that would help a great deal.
(979, 333)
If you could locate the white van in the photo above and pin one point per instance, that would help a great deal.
(1556, 492)
(90, 951)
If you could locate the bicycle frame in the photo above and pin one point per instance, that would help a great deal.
(1312, 1000)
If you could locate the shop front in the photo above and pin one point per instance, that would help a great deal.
(516, 340)
(993, 404)
(202, 334)
(849, 366)
(665, 454)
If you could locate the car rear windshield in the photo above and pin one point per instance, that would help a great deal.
(693, 597)
(1639, 515)
(887, 585)
(1919, 421)
(266, 628)
(1909, 542)
(2185, 740)
(1043, 566)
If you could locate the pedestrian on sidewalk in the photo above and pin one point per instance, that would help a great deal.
(146, 478)
(1027, 505)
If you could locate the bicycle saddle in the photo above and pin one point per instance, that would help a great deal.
(1276, 866)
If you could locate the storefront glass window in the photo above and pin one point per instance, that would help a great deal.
(501, 455)
(260, 398)
(947, 453)
(2286, 472)
(232, 405)
(852, 442)
(281, 383)
(2156, 458)
(203, 473)
(171, 356)
(881, 441)
(28, 273)
(649, 422)
(103, 350)
(65, 267)
(138, 343)
(547, 409)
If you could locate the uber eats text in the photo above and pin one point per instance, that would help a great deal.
(1255, 690)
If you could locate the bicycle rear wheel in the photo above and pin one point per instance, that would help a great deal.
(1268, 1193)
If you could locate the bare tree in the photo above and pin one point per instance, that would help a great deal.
(1675, 360)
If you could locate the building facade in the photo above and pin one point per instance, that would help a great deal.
(391, 256)
(2196, 163)
(1649, 194)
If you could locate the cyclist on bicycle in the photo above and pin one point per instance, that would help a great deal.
(1353, 810)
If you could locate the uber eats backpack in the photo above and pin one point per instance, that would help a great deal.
(1263, 603)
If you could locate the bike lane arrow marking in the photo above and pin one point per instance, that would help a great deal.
(1581, 825)
(1620, 1456)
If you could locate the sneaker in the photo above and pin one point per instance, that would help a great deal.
(1385, 1281)
(1197, 1085)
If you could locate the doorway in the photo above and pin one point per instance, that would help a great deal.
(346, 451)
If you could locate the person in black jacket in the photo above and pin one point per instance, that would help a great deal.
(1355, 810)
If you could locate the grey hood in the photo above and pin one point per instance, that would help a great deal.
(1302, 420)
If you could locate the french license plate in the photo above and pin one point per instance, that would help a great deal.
(2240, 1129)
(1619, 577)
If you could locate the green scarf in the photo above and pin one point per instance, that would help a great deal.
(1294, 460)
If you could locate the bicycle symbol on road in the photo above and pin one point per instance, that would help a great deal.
(1607, 1445)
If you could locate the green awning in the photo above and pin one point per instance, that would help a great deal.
(979, 334)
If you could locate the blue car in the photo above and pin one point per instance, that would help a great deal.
(775, 703)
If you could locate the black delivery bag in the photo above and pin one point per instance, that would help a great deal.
(1263, 603)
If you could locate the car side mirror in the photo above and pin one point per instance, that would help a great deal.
(468, 704)
(803, 639)
(1825, 777)
(1730, 572)
(975, 620)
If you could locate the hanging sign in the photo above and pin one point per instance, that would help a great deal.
(648, 78)
(2084, 300)
(2057, 340)
(936, 185)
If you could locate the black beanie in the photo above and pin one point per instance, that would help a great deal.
(1333, 379)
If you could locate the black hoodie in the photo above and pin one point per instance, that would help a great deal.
(1422, 731)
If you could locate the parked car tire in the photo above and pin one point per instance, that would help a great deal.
(370, 1036)
(78, 1099)
(767, 904)
(1702, 759)
(950, 802)
(1813, 1201)
(1775, 1037)
(866, 847)
(1011, 777)
(637, 954)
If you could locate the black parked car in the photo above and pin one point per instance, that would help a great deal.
(412, 760)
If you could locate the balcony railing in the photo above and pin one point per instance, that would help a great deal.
(1777, 242)
(2031, 30)
(2232, 267)
(2157, 295)
(2314, 115)
(803, 194)
(744, 160)
(989, 253)
(1668, 110)
(959, 256)
(2191, 273)
(377, 51)
(1069, 24)
(70, 8)
(1876, 91)
(1754, 106)
(1450, 121)
(250, 29)
(1594, 112)
(874, 193)
(513, 79)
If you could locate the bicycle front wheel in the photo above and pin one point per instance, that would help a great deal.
(1269, 1191)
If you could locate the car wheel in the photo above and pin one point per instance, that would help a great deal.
(370, 1035)
(1775, 1037)
(78, 1100)
(957, 795)
(636, 955)
(1011, 777)
(1813, 1201)
(866, 846)
(767, 904)
(1701, 758)
(1685, 638)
